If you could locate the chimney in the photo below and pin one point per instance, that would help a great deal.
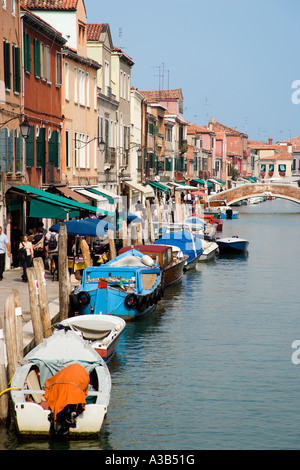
(270, 141)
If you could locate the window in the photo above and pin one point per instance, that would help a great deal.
(58, 69)
(75, 85)
(88, 89)
(168, 134)
(4, 4)
(6, 54)
(95, 92)
(95, 153)
(82, 151)
(45, 62)
(16, 69)
(76, 150)
(81, 87)
(13, 7)
(67, 88)
(87, 151)
(106, 78)
(27, 53)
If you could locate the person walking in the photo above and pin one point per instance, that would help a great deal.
(39, 244)
(27, 260)
(15, 238)
(51, 242)
(4, 245)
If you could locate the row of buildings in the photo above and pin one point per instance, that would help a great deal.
(72, 124)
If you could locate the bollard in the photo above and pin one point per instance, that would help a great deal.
(86, 253)
(124, 233)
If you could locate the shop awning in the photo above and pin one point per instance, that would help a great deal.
(146, 190)
(104, 193)
(68, 205)
(159, 186)
(69, 193)
(208, 183)
(214, 180)
(45, 210)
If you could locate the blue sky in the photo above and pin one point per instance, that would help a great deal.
(235, 60)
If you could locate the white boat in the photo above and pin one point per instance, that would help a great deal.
(101, 331)
(255, 199)
(232, 244)
(210, 250)
(44, 405)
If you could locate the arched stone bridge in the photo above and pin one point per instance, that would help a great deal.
(245, 191)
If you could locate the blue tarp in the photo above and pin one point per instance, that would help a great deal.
(184, 240)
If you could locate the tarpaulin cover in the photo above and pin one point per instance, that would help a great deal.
(68, 387)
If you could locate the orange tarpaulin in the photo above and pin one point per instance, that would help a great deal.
(68, 387)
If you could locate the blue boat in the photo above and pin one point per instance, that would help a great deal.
(232, 244)
(185, 241)
(129, 286)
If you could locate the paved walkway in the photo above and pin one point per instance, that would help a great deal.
(12, 280)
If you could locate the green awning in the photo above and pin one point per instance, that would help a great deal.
(95, 191)
(208, 183)
(50, 198)
(159, 186)
(220, 181)
(45, 210)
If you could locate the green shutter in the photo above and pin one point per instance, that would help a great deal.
(37, 58)
(30, 148)
(18, 152)
(16, 69)
(3, 150)
(53, 148)
(6, 52)
(67, 149)
(10, 152)
(27, 53)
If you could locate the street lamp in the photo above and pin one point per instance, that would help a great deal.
(25, 128)
(102, 146)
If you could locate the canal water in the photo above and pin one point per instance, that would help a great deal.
(212, 367)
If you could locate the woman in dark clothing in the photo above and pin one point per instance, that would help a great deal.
(27, 245)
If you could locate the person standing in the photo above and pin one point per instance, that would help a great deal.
(15, 239)
(38, 243)
(4, 245)
(27, 245)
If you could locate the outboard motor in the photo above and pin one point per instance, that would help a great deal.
(229, 213)
(65, 420)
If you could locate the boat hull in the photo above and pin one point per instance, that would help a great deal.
(232, 245)
(174, 273)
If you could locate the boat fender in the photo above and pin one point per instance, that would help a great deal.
(141, 304)
(130, 300)
(74, 302)
(83, 298)
(147, 260)
(156, 295)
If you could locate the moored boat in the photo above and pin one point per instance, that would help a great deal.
(62, 387)
(232, 244)
(128, 286)
(166, 257)
(186, 241)
(101, 331)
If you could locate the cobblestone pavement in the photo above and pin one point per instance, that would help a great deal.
(12, 280)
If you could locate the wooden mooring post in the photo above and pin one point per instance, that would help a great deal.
(63, 273)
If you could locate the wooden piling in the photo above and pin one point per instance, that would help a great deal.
(34, 305)
(19, 325)
(3, 378)
(43, 298)
(10, 335)
(86, 253)
(111, 242)
(64, 279)
(150, 230)
(139, 229)
(124, 233)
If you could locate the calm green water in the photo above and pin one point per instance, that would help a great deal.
(212, 368)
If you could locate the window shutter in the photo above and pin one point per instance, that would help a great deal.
(30, 148)
(3, 150)
(37, 58)
(27, 53)
(16, 69)
(6, 51)
(18, 153)
(53, 149)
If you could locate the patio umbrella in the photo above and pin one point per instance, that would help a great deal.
(199, 193)
(91, 227)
